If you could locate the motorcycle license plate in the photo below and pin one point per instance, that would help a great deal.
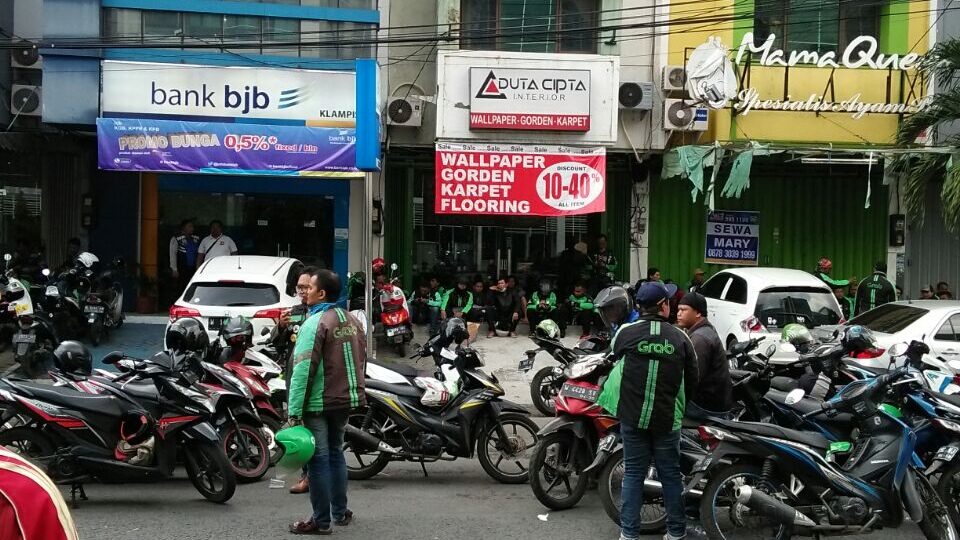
(25, 338)
(393, 331)
(607, 443)
(947, 453)
(93, 309)
(580, 392)
(215, 323)
(52, 290)
(526, 364)
(702, 465)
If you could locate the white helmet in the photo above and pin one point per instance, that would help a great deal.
(87, 259)
(435, 393)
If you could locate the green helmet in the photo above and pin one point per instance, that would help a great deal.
(548, 329)
(796, 334)
(298, 446)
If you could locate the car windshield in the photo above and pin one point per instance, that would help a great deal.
(889, 318)
(231, 294)
(809, 306)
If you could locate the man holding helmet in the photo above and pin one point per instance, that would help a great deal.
(647, 391)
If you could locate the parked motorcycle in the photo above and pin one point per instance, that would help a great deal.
(129, 434)
(103, 304)
(396, 426)
(548, 380)
(395, 315)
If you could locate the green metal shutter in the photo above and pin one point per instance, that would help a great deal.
(615, 222)
(398, 219)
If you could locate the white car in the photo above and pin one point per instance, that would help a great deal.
(744, 303)
(935, 322)
(255, 287)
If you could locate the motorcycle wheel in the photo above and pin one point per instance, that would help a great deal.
(96, 331)
(737, 520)
(542, 391)
(367, 464)
(210, 471)
(27, 442)
(940, 504)
(653, 516)
(556, 474)
(493, 452)
(247, 452)
(277, 452)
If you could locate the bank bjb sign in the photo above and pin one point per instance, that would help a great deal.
(530, 99)
(733, 238)
(322, 98)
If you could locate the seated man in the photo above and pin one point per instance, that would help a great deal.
(542, 306)
(581, 310)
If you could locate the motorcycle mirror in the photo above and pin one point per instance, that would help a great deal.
(898, 349)
(265, 331)
(45, 272)
(393, 266)
(113, 357)
(771, 350)
(7, 257)
(794, 396)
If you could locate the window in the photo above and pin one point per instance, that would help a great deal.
(815, 25)
(779, 306)
(232, 294)
(241, 29)
(355, 41)
(161, 27)
(714, 286)
(122, 23)
(285, 33)
(530, 25)
(737, 292)
(950, 331)
(889, 318)
(202, 27)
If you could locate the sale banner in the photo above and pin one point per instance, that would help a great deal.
(522, 180)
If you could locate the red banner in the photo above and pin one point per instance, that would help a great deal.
(522, 180)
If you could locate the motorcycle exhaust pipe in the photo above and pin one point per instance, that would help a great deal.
(368, 441)
(769, 506)
(654, 487)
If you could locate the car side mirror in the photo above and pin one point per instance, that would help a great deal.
(794, 396)
(113, 357)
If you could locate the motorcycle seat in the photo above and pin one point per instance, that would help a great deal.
(402, 390)
(808, 438)
(784, 384)
(137, 390)
(739, 374)
(69, 398)
(871, 370)
(409, 372)
(952, 399)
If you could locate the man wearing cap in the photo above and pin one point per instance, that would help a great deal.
(875, 290)
(824, 267)
(714, 395)
(695, 283)
(926, 293)
(647, 391)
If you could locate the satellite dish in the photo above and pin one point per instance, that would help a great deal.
(680, 114)
(711, 79)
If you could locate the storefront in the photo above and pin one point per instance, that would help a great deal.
(480, 201)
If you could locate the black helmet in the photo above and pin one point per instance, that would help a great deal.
(454, 331)
(613, 304)
(858, 338)
(237, 332)
(73, 357)
(187, 334)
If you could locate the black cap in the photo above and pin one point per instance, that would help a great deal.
(696, 301)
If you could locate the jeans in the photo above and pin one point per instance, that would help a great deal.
(698, 413)
(434, 319)
(419, 313)
(639, 446)
(328, 469)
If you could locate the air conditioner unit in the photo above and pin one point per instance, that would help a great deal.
(404, 111)
(674, 78)
(26, 100)
(636, 95)
(26, 55)
(680, 115)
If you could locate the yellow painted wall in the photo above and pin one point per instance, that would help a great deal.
(797, 126)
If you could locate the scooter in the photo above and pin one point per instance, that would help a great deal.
(395, 315)
(103, 306)
(548, 380)
(34, 338)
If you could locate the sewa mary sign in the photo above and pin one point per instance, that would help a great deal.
(733, 238)
(520, 180)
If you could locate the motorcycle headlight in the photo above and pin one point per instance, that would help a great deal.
(582, 368)
(230, 378)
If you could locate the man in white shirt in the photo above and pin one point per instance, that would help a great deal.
(215, 245)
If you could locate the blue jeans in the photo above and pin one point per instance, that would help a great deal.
(639, 446)
(327, 469)
(434, 320)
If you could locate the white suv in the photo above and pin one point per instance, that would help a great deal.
(744, 303)
(251, 286)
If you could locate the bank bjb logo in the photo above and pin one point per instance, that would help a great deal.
(242, 100)
(489, 88)
(646, 347)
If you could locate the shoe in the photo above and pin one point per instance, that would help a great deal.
(302, 486)
(669, 536)
(345, 520)
(696, 532)
(491, 334)
(309, 527)
(622, 537)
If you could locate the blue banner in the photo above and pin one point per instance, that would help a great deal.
(733, 238)
(130, 144)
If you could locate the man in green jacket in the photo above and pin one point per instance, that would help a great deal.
(581, 310)
(875, 290)
(542, 306)
(457, 301)
(327, 383)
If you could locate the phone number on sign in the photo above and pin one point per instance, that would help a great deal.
(732, 254)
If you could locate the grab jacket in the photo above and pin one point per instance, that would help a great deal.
(655, 374)
(874, 291)
(457, 300)
(534, 303)
(582, 303)
(332, 343)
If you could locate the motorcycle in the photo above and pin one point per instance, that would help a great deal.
(102, 305)
(548, 380)
(131, 433)
(33, 338)
(396, 426)
(395, 315)
(780, 480)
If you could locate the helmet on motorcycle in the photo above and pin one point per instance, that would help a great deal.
(548, 329)
(185, 335)
(378, 265)
(73, 357)
(136, 428)
(298, 446)
(545, 286)
(613, 304)
(237, 333)
(454, 331)
(87, 259)
(857, 339)
(797, 335)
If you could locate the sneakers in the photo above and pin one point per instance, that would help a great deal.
(345, 520)
(622, 537)
(669, 536)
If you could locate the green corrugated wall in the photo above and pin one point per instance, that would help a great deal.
(398, 219)
(817, 211)
(615, 222)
